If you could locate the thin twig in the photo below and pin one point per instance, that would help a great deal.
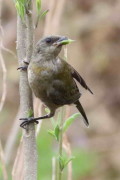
(12, 138)
(9, 51)
(66, 146)
(61, 141)
(53, 168)
(4, 84)
(4, 70)
(55, 23)
(2, 158)
(53, 18)
(48, 27)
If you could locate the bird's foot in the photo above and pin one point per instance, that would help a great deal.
(27, 63)
(27, 121)
(23, 68)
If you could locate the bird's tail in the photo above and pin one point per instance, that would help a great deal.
(81, 110)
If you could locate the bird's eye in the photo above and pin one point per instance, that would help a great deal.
(48, 40)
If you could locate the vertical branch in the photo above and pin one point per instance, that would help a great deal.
(24, 49)
(48, 28)
(11, 140)
(53, 18)
(67, 148)
(29, 23)
(57, 16)
(4, 170)
(61, 142)
(66, 143)
(4, 89)
(53, 168)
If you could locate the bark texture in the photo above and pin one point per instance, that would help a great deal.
(24, 51)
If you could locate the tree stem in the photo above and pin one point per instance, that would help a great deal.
(24, 51)
(60, 141)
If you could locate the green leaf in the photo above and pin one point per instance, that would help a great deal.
(68, 160)
(20, 6)
(17, 6)
(69, 121)
(30, 113)
(51, 132)
(61, 162)
(39, 16)
(44, 13)
(38, 6)
(57, 132)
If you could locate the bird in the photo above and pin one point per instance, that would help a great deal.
(52, 79)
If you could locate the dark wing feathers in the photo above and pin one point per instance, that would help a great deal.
(77, 76)
(60, 94)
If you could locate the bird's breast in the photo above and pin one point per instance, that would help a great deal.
(44, 71)
(40, 75)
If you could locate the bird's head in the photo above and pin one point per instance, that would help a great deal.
(51, 46)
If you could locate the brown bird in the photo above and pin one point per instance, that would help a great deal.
(52, 79)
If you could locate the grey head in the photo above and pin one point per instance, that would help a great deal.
(50, 46)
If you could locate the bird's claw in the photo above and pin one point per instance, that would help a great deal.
(27, 63)
(23, 68)
(27, 121)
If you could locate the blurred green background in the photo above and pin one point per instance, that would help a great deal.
(95, 25)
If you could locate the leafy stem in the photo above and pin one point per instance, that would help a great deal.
(60, 142)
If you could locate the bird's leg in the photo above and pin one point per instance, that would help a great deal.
(24, 68)
(29, 120)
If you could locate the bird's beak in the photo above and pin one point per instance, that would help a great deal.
(63, 41)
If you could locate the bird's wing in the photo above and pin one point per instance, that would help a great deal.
(78, 77)
(61, 94)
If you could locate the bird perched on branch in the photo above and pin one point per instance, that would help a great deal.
(52, 79)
